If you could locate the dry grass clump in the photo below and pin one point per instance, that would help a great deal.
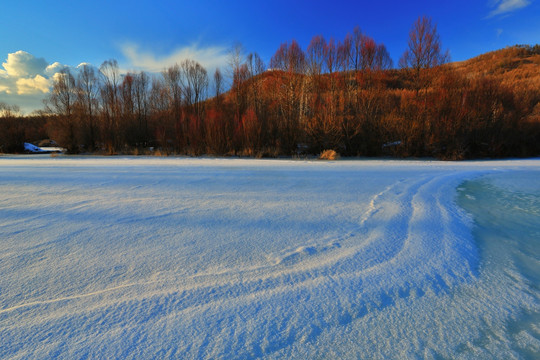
(160, 152)
(329, 155)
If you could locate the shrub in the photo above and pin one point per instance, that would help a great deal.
(329, 155)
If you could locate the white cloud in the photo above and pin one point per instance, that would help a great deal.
(27, 86)
(209, 57)
(24, 79)
(4, 88)
(84, 64)
(506, 6)
(54, 68)
(23, 64)
(7, 85)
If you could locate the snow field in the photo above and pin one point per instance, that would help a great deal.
(229, 258)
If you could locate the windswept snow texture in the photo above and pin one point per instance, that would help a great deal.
(135, 258)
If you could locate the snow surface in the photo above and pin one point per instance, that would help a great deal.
(31, 148)
(226, 258)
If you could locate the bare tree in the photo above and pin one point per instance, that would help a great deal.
(424, 49)
(88, 100)
(316, 55)
(235, 62)
(319, 126)
(355, 50)
(254, 64)
(238, 73)
(423, 54)
(343, 52)
(61, 101)
(128, 118)
(64, 94)
(135, 107)
(8, 110)
(159, 97)
(289, 58)
(163, 123)
(218, 84)
(194, 84)
(12, 129)
(330, 56)
(141, 83)
(172, 77)
(383, 61)
(254, 119)
(110, 76)
(331, 61)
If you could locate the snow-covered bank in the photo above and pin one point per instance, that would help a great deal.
(30, 148)
(224, 258)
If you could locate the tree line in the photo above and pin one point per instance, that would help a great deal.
(343, 95)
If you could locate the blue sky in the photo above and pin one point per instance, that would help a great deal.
(41, 36)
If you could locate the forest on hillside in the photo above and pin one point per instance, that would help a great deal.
(344, 95)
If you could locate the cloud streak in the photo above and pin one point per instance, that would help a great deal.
(209, 57)
(506, 6)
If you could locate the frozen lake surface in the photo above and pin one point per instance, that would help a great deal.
(137, 258)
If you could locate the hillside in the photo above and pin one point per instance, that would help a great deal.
(487, 106)
(516, 66)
